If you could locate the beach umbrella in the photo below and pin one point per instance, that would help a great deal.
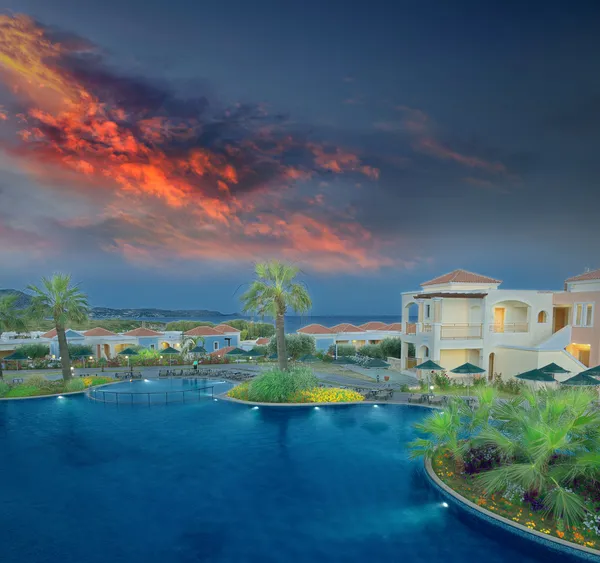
(198, 350)
(554, 368)
(16, 356)
(593, 372)
(308, 359)
(582, 379)
(272, 357)
(169, 351)
(127, 352)
(254, 354)
(376, 363)
(429, 365)
(536, 375)
(345, 360)
(237, 352)
(468, 369)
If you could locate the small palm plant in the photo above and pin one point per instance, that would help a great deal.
(58, 299)
(273, 293)
(190, 342)
(550, 443)
(11, 318)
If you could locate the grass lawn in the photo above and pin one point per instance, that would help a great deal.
(512, 509)
(38, 386)
(460, 392)
(336, 369)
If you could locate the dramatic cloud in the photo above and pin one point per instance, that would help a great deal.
(170, 176)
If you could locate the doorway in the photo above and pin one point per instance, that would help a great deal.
(560, 318)
(499, 314)
(491, 366)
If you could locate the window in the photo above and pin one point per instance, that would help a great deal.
(427, 311)
(542, 317)
(151, 346)
(584, 314)
(215, 345)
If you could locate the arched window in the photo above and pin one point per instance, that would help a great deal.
(542, 317)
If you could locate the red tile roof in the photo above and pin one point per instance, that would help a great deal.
(142, 332)
(394, 326)
(315, 329)
(49, 334)
(345, 327)
(263, 341)
(203, 331)
(98, 331)
(461, 276)
(586, 276)
(221, 352)
(226, 328)
(373, 325)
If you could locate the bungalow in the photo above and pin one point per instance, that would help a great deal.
(345, 333)
(217, 337)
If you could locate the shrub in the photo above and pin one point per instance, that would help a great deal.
(342, 350)
(391, 347)
(239, 391)
(296, 345)
(38, 381)
(4, 388)
(275, 386)
(92, 380)
(404, 388)
(326, 395)
(479, 382)
(35, 351)
(371, 350)
(442, 381)
(75, 385)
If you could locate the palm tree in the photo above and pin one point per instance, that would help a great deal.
(190, 342)
(11, 318)
(550, 444)
(273, 293)
(64, 303)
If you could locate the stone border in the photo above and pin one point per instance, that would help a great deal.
(57, 394)
(514, 527)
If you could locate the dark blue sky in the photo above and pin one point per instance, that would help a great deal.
(376, 144)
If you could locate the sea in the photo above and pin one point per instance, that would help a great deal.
(292, 322)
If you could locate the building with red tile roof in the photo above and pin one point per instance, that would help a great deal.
(49, 334)
(142, 332)
(591, 275)
(373, 325)
(461, 277)
(221, 352)
(226, 328)
(203, 331)
(99, 331)
(263, 341)
(345, 327)
(315, 329)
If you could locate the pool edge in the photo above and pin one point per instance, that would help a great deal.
(551, 541)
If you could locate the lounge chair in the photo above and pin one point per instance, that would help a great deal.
(416, 398)
(437, 400)
(18, 380)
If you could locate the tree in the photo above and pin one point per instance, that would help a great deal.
(190, 342)
(371, 350)
(63, 302)
(296, 345)
(273, 293)
(35, 351)
(391, 347)
(11, 318)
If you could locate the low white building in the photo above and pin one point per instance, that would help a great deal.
(465, 317)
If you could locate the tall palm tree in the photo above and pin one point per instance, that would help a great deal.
(190, 342)
(273, 293)
(63, 302)
(11, 318)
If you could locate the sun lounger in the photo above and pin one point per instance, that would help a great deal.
(416, 398)
(437, 400)
(18, 380)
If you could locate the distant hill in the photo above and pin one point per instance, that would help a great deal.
(24, 301)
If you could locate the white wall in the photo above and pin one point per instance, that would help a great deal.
(510, 362)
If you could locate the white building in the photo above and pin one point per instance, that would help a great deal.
(465, 317)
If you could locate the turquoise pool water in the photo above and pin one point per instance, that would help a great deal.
(214, 481)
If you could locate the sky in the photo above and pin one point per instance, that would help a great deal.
(157, 150)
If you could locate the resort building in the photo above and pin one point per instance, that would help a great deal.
(217, 337)
(369, 333)
(465, 317)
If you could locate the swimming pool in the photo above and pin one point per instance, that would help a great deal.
(214, 481)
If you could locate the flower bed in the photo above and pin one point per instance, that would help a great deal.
(315, 395)
(513, 506)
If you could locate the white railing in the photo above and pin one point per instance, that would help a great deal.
(460, 331)
(509, 327)
(411, 328)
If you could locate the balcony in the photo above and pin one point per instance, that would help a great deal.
(460, 331)
(427, 327)
(411, 328)
(509, 327)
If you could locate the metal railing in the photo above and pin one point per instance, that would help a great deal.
(411, 328)
(427, 327)
(146, 397)
(509, 327)
(460, 331)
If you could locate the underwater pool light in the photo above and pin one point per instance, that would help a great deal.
(445, 504)
(60, 397)
(254, 408)
(375, 406)
(316, 408)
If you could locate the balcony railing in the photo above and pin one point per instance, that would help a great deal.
(427, 327)
(411, 328)
(460, 331)
(509, 327)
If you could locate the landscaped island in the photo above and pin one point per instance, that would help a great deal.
(296, 385)
(534, 459)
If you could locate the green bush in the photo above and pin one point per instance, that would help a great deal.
(404, 388)
(275, 386)
(38, 381)
(75, 385)
(391, 347)
(76, 350)
(184, 326)
(342, 350)
(35, 351)
(442, 381)
(371, 350)
(4, 388)
(296, 345)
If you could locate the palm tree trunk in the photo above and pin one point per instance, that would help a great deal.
(1, 374)
(281, 349)
(63, 350)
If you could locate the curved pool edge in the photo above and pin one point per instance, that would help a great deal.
(66, 394)
(514, 527)
(224, 397)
